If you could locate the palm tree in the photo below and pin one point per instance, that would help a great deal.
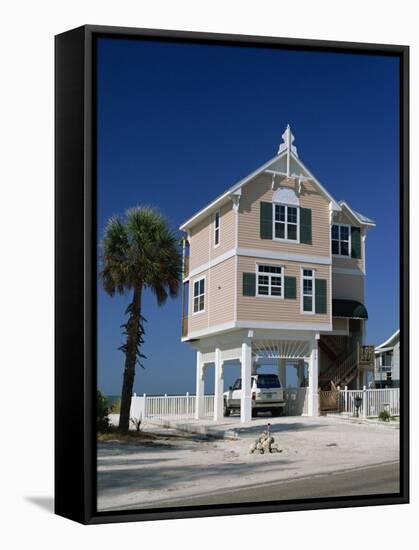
(139, 252)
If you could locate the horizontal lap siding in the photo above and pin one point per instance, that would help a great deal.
(199, 244)
(348, 287)
(260, 190)
(221, 295)
(201, 238)
(273, 309)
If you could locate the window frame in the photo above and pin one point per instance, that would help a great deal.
(217, 229)
(313, 290)
(281, 275)
(349, 255)
(198, 280)
(286, 206)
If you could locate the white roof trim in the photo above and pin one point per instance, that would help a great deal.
(335, 204)
(218, 201)
(356, 215)
(389, 341)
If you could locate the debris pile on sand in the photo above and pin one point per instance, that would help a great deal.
(265, 443)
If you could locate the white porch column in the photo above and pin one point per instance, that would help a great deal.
(218, 386)
(313, 378)
(246, 396)
(200, 386)
(282, 372)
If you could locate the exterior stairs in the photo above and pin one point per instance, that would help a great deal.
(342, 372)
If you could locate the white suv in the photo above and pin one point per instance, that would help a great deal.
(267, 395)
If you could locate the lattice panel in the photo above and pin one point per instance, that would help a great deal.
(280, 349)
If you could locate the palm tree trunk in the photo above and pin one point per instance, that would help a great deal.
(133, 332)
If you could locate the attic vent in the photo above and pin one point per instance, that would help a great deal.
(285, 195)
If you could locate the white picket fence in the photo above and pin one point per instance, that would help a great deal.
(372, 401)
(183, 406)
(169, 406)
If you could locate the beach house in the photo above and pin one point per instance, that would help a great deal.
(274, 271)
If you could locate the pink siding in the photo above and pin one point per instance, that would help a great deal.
(260, 190)
(221, 292)
(275, 309)
(199, 242)
(219, 297)
(201, 238)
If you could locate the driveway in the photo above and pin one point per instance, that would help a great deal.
(157, 472)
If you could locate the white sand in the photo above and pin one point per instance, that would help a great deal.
(136, 475)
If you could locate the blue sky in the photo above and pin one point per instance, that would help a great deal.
(178, 124)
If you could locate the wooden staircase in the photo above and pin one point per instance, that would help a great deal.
(342, 373)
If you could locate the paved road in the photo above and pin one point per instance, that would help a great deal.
(371, 480)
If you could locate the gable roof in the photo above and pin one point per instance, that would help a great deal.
(360, 218)
(390, 342)
(285, 162)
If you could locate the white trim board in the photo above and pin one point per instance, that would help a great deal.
(216, 329)
(225, 327)
(213, 262)
(325, 327)
(257, 253)
(273, 255)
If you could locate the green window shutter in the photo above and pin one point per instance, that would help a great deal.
(249, 284)
(355, 242)
(266, 220)
(305, 226)
(321, 295)
(290, 288)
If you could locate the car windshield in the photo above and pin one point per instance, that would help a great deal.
(268, 381)
(237, 384)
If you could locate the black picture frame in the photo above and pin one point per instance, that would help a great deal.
(75, 273)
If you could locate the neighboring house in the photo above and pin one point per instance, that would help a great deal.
(274, 269)
(387, 363)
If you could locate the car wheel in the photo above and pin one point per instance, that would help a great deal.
(226, 410)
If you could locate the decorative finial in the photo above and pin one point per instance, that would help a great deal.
(288, 139)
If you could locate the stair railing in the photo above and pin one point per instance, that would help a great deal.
(345, 367)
